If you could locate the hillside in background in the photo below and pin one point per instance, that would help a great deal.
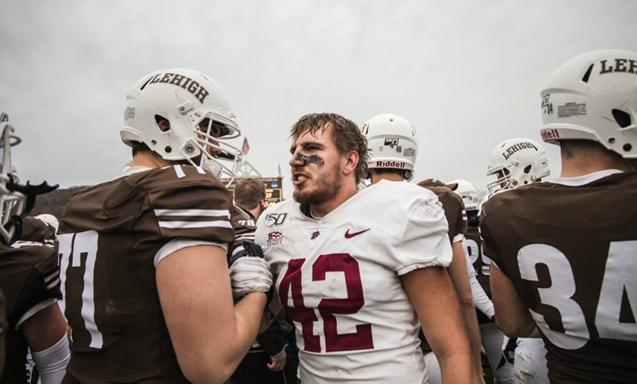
(54, 202)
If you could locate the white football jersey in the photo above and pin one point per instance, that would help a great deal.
(339, 279)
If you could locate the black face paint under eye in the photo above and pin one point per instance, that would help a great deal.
(309, 159)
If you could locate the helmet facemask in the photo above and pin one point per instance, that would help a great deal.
(219, 157)
(12, 203)
(503, 180)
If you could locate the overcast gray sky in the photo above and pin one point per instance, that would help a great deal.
(466, 73)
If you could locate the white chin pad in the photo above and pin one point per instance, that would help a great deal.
(212, 166)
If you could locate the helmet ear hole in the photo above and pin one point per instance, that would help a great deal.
(527, 169)
(622, 118)
(162, 123)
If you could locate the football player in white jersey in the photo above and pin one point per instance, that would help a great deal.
(393, 145)
(517, 162)
(357, 270)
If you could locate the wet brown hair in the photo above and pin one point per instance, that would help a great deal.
(346, 135)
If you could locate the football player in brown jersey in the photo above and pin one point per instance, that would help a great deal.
(479, 267)
(460, 271)
(393, 147)
(564, 251)
(516, 162)
(29, 279)
(144, 271)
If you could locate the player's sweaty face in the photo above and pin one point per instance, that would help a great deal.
(315, 167)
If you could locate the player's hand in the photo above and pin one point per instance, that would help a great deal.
(249, 272)
(278, 362)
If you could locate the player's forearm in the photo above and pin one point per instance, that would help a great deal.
(511, 314)
(248, 315)
(458, 368)
(473, 329)
(204, 363)
(514, 329)
(460, 279)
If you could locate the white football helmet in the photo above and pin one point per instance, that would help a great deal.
(594, 97)
(12, 202)
(469, 194)
(392, 143)
(517, 162)
(200, 118)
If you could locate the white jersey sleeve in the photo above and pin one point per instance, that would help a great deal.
(424, 242)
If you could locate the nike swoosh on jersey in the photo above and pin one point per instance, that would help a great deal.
(349, 235)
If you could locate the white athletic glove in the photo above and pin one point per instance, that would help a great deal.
(249, 272)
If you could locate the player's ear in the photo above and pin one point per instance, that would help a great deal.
(350, 162)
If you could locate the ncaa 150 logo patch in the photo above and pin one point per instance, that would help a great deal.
(274, 219)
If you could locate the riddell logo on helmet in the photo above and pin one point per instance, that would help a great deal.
(549, 134)
(182, 81)
(390, 164)
(621, 65)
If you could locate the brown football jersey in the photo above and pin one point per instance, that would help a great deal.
(244, 225)
(481, 263)
(571, 253)
(454, 208)
(34, 229)
(29, 275)
(111, 238)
